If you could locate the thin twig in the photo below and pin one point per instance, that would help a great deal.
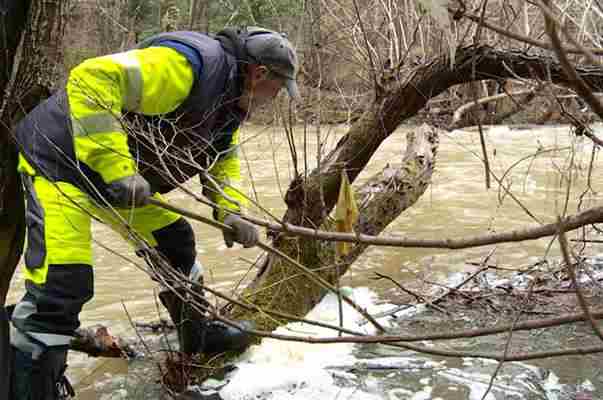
(525, 39)
(413, 294)
(590, 216)
(508, 343)
(577, 82)
(368, 49)
(569, 266)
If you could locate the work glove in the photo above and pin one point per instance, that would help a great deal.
(242, 232)
(130, 191)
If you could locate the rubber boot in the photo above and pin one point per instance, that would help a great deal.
(41, 379)
(188, 323)
(198, 334)
(220, 337)
(38, 371)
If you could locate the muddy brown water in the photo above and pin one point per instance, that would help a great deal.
(456, 205)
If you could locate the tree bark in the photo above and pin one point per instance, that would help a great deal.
(313, 44)
(28, 79)
(134, 23)
(24, 81)
(13, 16)
(36, 70)
(170, 15)
(199, 16)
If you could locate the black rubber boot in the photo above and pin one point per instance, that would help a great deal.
(41, 379)
(198, 334)
(188, 322)
(220, 337)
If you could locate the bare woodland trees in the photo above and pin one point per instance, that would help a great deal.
(388, 59)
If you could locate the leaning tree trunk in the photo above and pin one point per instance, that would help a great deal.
(281, 287)
(24, 81)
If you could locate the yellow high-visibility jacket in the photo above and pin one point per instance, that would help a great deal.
(152, 81)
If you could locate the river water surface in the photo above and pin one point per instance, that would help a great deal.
(457, 204)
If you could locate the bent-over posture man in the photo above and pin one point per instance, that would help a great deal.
(127, 127)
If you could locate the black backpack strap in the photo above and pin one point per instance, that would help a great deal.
(233, 41)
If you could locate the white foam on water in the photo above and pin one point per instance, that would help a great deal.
(588, 386)
(552, 387)
(276, 369)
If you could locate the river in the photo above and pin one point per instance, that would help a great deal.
(457, 204)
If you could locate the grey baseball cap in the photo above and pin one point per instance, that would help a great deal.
(274, 50)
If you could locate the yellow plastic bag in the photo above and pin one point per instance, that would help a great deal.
(346, 213)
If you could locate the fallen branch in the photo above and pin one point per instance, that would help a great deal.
(456, 118)
(502, 357)
(161, 326)
(461, 334)
(97, 342)
(410, 292)
(591, 216)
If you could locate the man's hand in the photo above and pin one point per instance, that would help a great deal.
(129, 191)
(242, 232)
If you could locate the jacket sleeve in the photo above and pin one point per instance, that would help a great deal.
(150, 81)
(226, 172)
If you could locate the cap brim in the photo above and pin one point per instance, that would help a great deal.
(292, 89)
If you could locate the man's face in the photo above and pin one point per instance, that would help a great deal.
(261, 87)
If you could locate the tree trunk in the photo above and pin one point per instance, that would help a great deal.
(313, 44)
(13, 15)
(170, 15)
(199, 16)
(35, 71)
(134, 23)
(25, 80)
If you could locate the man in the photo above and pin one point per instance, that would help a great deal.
(127, 127)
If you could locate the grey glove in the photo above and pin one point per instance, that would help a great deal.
(242, 232)
(129, 191)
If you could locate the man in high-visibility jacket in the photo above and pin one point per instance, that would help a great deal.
(128, 127)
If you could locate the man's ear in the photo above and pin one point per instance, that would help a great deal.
(255, 73)
(261, 72)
